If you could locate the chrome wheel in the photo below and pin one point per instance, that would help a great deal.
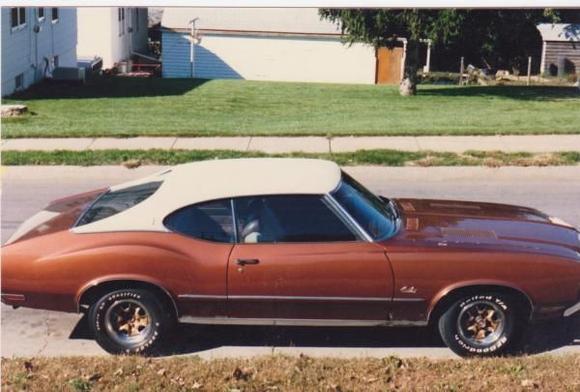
(127, 321)
(481, 323)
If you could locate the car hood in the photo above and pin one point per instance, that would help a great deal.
(451, 222)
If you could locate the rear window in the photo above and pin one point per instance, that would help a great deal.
(114, 202)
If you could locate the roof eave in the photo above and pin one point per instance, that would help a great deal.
(253, 33)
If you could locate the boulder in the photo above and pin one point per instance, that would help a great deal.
(502, 74)
(13, 110)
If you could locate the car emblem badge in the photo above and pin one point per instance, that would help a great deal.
(408, 289)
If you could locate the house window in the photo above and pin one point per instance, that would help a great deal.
(121, 21)
(40, 14)
(17, 17)
(19, 82)
(54, 15)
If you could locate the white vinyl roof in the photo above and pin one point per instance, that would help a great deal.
(197, 182)
(281, 20)
(560, 32)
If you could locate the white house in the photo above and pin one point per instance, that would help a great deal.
(282, 44)
(560, 48)
(112, 33)
(35, 40)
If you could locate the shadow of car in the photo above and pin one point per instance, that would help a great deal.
(190, 339)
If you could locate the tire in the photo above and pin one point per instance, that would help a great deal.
(484, 325)
(130, 321)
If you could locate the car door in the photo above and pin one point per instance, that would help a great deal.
(205, 235)
(297, 258)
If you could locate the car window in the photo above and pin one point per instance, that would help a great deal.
(292, 218)
(211, 221)
(371, 213)
(114, 202)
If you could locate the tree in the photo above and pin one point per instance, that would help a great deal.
(494, 31)
(502, 39)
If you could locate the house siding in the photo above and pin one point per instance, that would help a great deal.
(114, 41)
(274, 58)
(554, 50)
(24, 51)
(175, 56)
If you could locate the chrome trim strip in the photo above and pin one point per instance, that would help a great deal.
(332, 201)
(303, 298)
(572, 310)
(408, 299)
(200, 296)
(298, 298)
(343, 218)
(234, 220)
(87, 208)
(297, 322)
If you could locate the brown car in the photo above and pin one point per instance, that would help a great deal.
(290, 242)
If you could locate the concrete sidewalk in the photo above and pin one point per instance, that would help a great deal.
(509, 143)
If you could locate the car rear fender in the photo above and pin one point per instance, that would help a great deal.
(129, 280)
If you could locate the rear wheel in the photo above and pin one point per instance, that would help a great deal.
(131, 321)
(482, 325)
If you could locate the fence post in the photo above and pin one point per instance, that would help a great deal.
(529, 81)
(461, 70)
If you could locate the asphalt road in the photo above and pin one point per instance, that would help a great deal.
(26, 332)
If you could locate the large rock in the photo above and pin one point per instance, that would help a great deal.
(13, 110)
(407, 87)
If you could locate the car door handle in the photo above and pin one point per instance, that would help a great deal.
(243, 262)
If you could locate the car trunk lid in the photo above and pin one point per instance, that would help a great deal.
(58, 215)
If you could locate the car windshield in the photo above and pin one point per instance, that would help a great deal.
(378, 217)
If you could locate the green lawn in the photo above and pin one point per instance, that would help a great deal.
(159, 107)
(133, 158)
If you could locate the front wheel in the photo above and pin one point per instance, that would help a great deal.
(482, 325)
(130, 321)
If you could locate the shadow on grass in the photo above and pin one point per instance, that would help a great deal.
(526, 93)
(109, 87)
(191, 339)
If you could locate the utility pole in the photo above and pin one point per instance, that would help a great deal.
(192, 40)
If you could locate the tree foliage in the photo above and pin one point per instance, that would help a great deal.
(487, 37)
